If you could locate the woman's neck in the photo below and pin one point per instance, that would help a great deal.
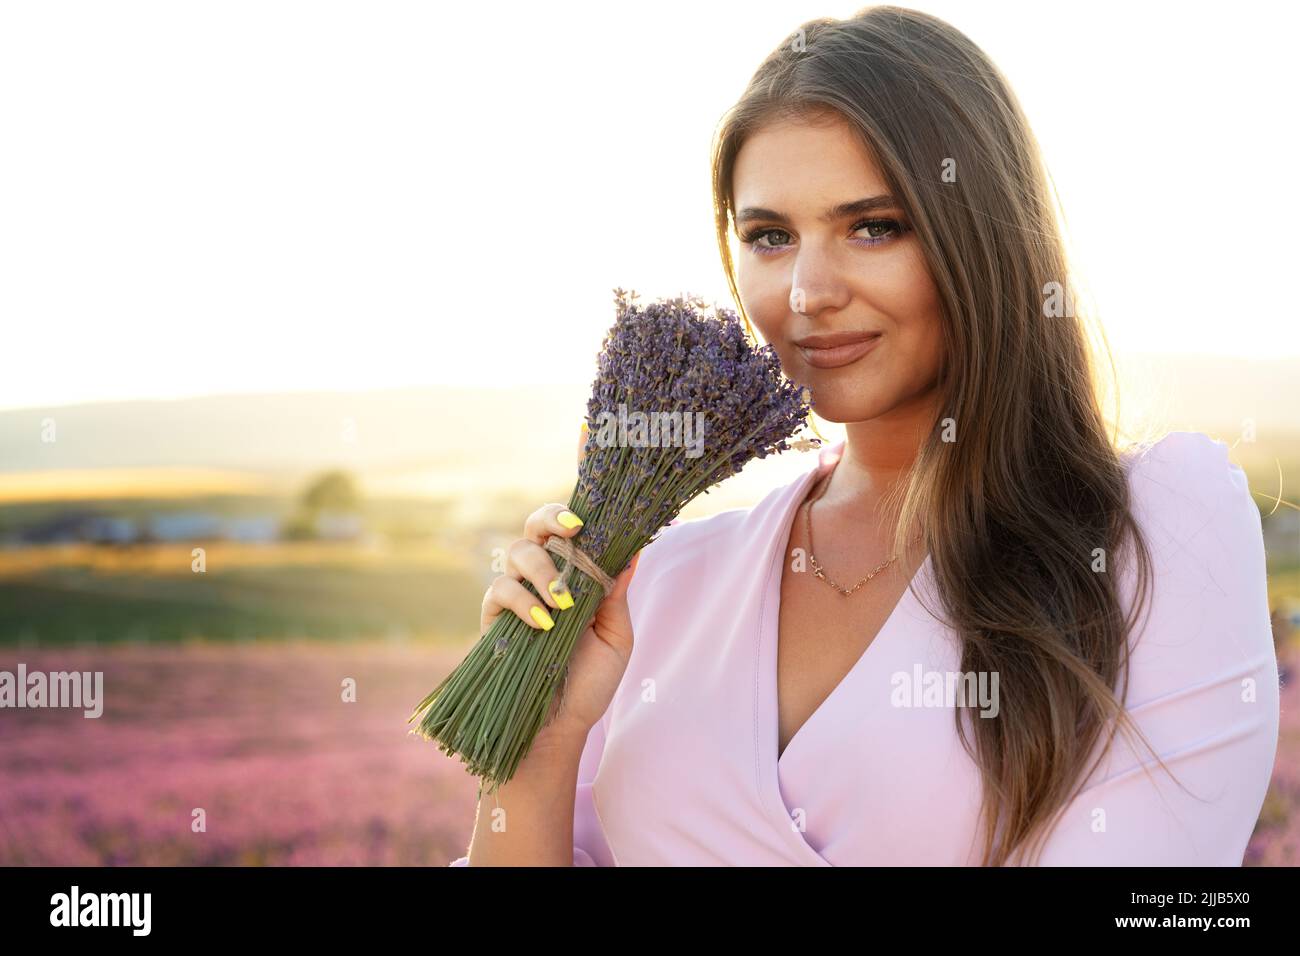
(877, 454)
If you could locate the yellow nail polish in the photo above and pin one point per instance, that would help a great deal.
(542, 618)
(569, 519)
(561, 594)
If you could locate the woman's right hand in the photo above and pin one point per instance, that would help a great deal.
(602, 651)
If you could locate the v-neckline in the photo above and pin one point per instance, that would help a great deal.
(767, 713)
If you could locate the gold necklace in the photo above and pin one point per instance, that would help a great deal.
(817, 569)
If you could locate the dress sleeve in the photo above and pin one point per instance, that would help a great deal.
(1203, 684)
(589, 845)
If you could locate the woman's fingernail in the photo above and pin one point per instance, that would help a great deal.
(569, 519)
(561, 594)
(542, 618)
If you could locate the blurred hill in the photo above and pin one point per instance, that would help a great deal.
(467, 442)
(391, 431)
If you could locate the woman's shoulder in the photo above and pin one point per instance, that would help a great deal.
(1187, 483)
(1195, 506)
(684, 540)
(699, 547)
(1195, 502)
(1209, 618)
(1189, 464)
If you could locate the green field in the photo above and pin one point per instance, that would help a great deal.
(337, 593)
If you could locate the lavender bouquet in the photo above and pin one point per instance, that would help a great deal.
(681, 401)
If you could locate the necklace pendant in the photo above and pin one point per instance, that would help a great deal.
(817, 569)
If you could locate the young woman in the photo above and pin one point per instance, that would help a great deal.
(976, 632)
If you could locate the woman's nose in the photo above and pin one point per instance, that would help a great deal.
(816, 285)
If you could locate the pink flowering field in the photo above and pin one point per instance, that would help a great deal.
(258, 736)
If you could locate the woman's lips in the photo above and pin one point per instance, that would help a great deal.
(839, 355)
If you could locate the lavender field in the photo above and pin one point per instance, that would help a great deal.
(258, 736)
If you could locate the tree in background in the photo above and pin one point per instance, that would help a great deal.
(332, 491)
(330, 496)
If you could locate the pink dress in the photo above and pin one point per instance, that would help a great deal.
(683, 769)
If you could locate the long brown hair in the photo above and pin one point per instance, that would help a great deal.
(1015, 508)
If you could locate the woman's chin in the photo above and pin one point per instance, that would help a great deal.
(843, 409)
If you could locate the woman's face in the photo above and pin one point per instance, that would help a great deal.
(859, 271)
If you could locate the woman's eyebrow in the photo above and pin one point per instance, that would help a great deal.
(845, 209)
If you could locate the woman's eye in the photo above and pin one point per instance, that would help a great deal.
(878, 231)
(892, 229)
(753, 238)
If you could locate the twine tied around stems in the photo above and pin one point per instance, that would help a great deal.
(578, 558)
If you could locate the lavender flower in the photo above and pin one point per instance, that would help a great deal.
(661, 369)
